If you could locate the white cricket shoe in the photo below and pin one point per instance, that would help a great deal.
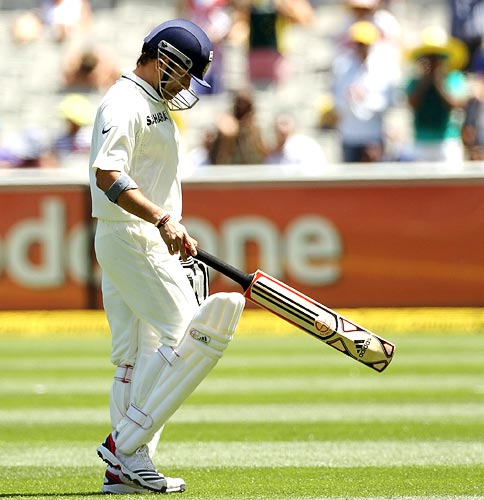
(116, 483)
(139, 468)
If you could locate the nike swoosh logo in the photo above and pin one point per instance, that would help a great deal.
(106, 130)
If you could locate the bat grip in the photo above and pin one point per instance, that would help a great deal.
(243, 279)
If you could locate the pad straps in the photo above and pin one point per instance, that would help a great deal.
(124, 373)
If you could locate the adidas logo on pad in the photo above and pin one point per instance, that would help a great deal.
(201, 337)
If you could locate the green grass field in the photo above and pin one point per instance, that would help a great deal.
(282, 417)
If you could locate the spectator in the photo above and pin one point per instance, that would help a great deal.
(59, 19)
(26, 148)
(467, 25)
(214, 17)
(388, 44)
(436, 91)
(89, 70)
(26, 28)
(199, 156)
(294, 148)
(327, 117)
(267, 22)
(363, 90)
(64, 18)
(78, 115)
(238, 139)
(473, 126)
(7, 157)
(372, 11)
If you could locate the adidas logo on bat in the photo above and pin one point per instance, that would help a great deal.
(361, 346)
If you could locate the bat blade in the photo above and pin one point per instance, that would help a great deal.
(320, 321)
(307, 314)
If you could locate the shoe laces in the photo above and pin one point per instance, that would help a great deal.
(143, 455)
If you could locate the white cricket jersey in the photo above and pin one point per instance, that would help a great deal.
(134, 133)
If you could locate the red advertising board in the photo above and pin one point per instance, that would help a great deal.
(345, 243)
(380, 244)
(45, 241)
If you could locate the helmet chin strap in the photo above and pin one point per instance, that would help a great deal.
(170, 71)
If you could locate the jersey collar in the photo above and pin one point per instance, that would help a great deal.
(142, 84)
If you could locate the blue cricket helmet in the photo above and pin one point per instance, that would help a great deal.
(193, 48)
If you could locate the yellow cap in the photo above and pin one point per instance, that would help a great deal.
(363, 32)
(435, 41)
(78, 109)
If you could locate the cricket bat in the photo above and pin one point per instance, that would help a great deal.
(307, 314)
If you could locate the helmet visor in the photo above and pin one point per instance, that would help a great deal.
(185, 61)
(172, 79)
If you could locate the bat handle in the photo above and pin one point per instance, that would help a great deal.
(243, 279)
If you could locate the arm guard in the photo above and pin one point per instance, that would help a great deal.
(122, 183)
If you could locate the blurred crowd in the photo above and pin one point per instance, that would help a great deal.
(438, 77)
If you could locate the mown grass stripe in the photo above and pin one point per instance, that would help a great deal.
(376, 412)
(234, 359)
(398, 497)
(261, 384)
(351, 438)
(262, 454)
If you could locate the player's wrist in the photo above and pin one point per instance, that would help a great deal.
(162, 220)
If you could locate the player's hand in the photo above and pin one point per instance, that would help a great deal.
(177, 239)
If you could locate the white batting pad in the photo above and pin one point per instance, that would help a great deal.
(120, 393)
(172, 374)
(119, 401)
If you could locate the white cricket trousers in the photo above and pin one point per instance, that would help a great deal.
(147, 298)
